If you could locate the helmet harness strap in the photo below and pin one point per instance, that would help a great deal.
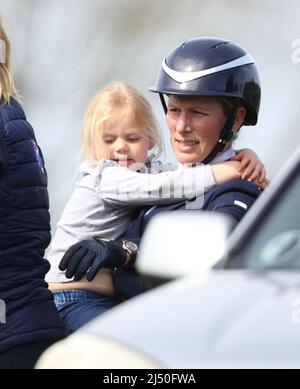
(225, 136)
(163, 102)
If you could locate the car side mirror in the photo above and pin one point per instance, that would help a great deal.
(183, 243)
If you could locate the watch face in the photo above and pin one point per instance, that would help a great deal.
(131, 246)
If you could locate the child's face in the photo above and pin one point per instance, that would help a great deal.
(122, 142)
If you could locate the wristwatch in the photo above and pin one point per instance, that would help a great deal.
(129, 247)
(132, 249)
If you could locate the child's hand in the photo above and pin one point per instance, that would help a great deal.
(251, 167)
(263, 184)
(231, 170)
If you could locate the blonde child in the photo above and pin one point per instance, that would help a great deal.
(119, 132)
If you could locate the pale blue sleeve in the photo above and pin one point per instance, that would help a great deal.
(121, 186)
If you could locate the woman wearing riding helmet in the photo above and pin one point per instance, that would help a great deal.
(212, 88)
(216, 69)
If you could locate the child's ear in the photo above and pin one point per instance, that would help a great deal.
(150, 146)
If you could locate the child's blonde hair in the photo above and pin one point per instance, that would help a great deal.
(118, 101)
(7, 87)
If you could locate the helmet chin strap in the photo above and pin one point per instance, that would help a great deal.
(163, 102)
(225, 135)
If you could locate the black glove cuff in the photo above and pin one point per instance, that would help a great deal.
(122, 252)
(116, 255)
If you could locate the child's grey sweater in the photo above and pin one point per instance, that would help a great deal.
(106, 196)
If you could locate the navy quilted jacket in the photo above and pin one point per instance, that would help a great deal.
(27, 310)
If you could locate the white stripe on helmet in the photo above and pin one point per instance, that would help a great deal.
(189, 76)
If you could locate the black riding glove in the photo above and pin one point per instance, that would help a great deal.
(89, 256)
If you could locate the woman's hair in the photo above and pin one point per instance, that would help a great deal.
(116, 102)
(7, 87)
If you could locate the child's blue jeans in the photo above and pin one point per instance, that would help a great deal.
(77, 307)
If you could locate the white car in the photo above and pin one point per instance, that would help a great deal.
(245, 313)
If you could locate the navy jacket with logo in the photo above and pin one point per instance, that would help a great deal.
(27, 310)
(233, 198)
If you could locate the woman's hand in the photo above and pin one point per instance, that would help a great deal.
(89, 256)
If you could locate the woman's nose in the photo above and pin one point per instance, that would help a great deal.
(183, 124)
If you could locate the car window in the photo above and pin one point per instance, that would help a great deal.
(275, 242)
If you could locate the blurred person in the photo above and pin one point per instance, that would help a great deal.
(212, 88)
(31, 320)
(120, 130)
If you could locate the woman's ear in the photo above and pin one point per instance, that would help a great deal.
(239, 118)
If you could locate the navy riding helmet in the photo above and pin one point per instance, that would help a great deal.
(212, 67)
